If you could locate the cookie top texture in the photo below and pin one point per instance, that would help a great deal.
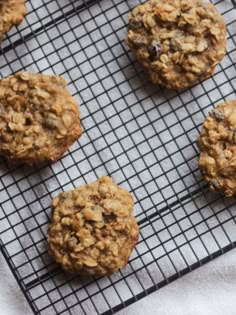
(92, 230)
(39, 119)
(12, 13)
(178, 42)
(217, 144)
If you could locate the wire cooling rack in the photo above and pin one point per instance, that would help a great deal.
(142, 136)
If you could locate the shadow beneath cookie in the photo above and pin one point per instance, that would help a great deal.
(28, 191)
(13, 172)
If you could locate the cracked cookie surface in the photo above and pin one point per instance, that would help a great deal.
(39, 119)
(12, 13)
(217, 145)
(92, 230)
(178, 42)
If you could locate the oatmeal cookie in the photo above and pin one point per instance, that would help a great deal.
(12, 13)
(39, 119)
(178, 42)
(92, 230)
(217, 145)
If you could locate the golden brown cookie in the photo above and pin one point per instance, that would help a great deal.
(217, 145)
(12, 13)
(178, 42)
(39, 119)
(92, 230)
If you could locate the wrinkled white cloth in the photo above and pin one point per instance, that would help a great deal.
(209, 290)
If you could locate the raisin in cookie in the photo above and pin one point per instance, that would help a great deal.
(178, 42)
(39, 119)
(217, 145)
(12, 13)
(92, 230)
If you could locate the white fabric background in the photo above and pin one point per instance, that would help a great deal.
(209, 290)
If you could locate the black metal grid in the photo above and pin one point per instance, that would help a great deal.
(142, 136)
